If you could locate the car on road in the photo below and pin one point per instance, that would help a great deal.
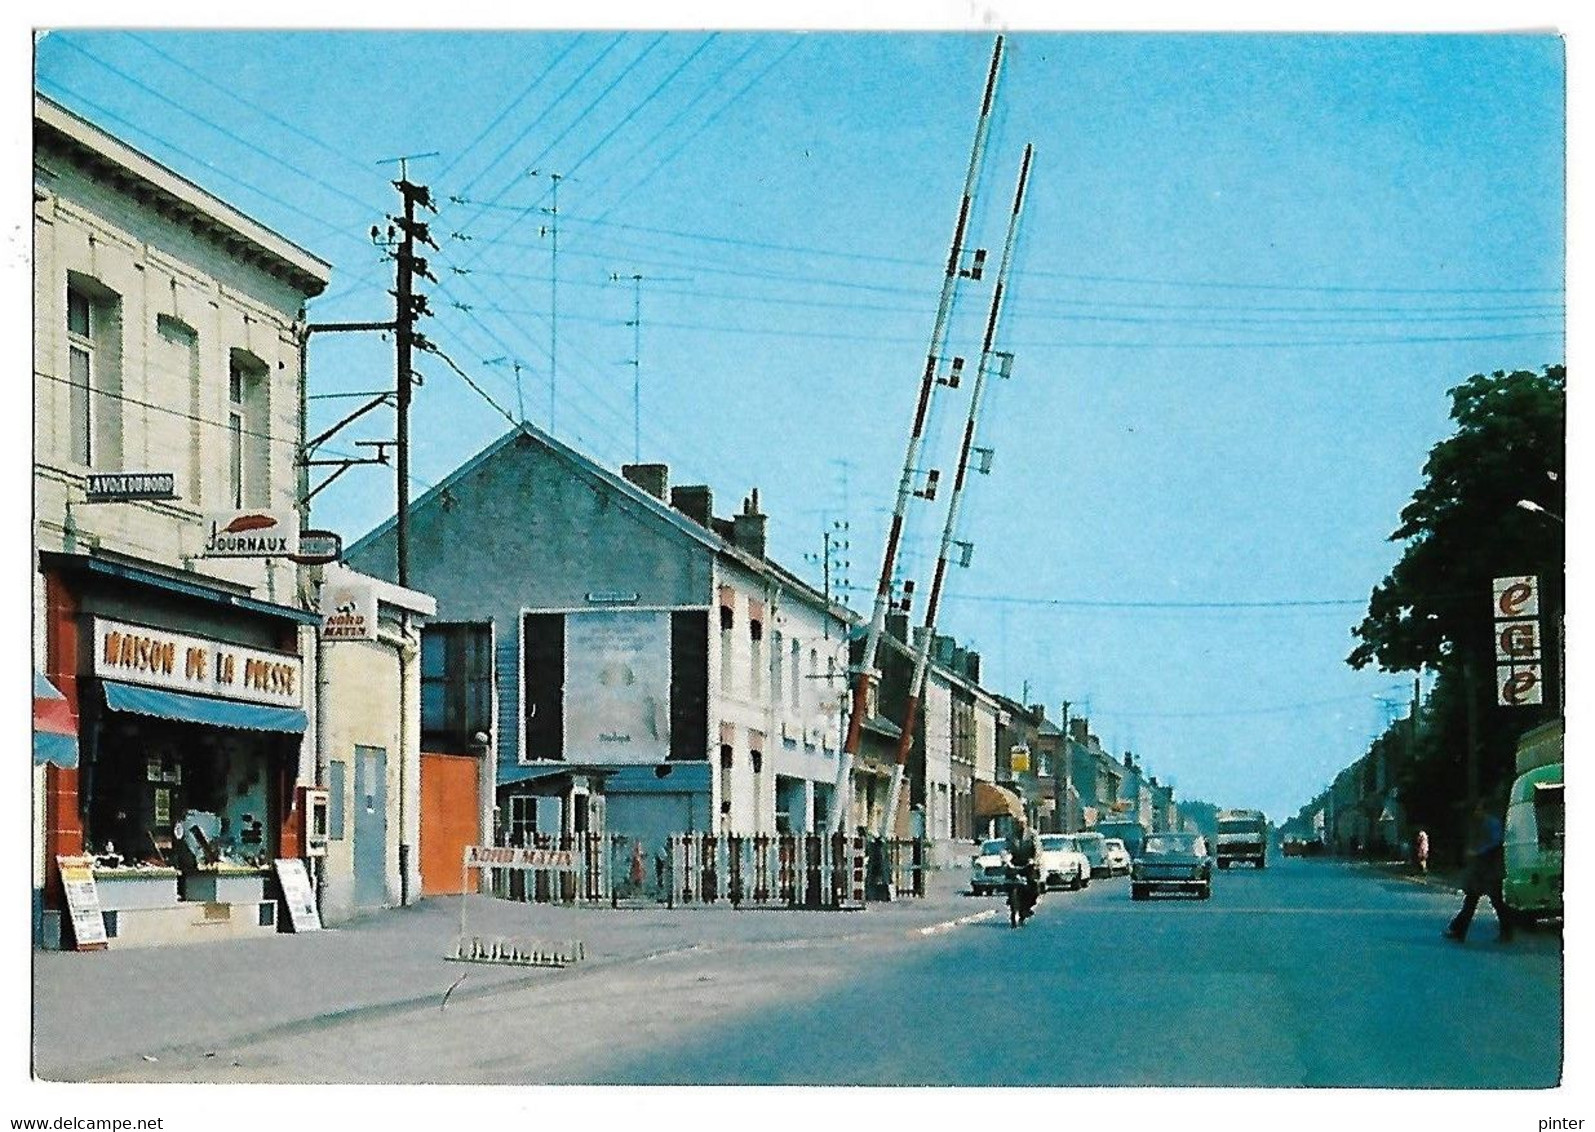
(1172, 862)
(1062, 863)
(1094, 846)
(988, 873)
(1118, 857)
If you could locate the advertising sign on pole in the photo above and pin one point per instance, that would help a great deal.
(1519, 679)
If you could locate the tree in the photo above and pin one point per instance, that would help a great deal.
(1463, 526)
(1462, 529)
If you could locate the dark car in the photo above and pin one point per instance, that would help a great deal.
(1172, 862)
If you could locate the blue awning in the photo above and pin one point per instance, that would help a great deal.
(202, 709)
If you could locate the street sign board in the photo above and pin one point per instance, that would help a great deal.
(318, 548)
(124, 487)
(255, 533)
(82, 903)
(298, 895)
(348, 608)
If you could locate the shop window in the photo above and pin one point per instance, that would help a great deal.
(336, 773)
(456, 684)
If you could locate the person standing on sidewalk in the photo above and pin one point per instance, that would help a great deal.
(1486, 869)
(1422, 847)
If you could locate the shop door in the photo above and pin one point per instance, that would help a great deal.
(370, 827)
(450, 811)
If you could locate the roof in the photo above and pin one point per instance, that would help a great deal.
(188, 585)
(587, 466)
(141, 176)
(400, 597)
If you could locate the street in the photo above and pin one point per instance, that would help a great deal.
(1309, 973)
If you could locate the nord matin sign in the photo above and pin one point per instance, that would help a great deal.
(136, 654)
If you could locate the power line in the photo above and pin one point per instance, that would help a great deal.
(542, 74)
(224, 131)
(1278, 709)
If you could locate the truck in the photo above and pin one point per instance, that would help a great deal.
(1242, 836)
(1535, 826)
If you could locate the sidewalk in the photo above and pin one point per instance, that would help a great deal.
(93, 1009)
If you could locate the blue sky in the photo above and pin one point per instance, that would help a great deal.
(1251, 267)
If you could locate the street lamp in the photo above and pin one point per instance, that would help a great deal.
(1530, 505)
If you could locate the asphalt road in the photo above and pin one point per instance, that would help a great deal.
(1308, 973)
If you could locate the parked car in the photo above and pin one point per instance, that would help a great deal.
(1062, 863)
(1172, 862)
(1118, 856)
(989, 871)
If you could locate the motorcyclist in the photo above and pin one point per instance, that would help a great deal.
(1024, 857)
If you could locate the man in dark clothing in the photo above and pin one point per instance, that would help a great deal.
(1486, 868)
(1024, 854)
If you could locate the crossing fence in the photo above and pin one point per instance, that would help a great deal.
(766, 870)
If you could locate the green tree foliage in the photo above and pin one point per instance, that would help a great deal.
(1462, 529)
(1463, 526)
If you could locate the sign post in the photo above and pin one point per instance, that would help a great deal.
(1519, 677)
(298, 895)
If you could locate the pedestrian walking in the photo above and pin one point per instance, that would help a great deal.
(1423, 851)
(1486, 868)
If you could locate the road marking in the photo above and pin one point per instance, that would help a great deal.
(951, 924)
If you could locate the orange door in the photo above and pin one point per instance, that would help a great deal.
(450, 806)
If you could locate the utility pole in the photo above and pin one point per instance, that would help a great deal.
(867, 674)
(989, 354)
(408, 305)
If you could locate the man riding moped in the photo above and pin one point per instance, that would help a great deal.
(1024, 872)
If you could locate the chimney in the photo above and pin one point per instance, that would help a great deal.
(652, 478)
(1153, 781)
(747, 528)
(942, 650)
(1078, 730)
(1129, 761)
(1039, 710)
(972, 666)
(897, 625)
(960, 663)
(696, 502)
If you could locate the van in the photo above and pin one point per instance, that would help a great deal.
(1535, 825)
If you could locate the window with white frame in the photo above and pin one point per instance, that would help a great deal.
(755, 658)
(80, 373)
(248, 432)
(94, 386)
(777, 668)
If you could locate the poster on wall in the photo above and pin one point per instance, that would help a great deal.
(617, 686)
(82, 902)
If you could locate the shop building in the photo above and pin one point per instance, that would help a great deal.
(652, 671)
(167, 392)
(369, 761)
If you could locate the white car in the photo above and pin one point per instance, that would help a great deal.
(989, 871)
(1118, 857)
(1062, 863)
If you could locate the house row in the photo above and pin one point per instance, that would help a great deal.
(197, 718)
(577, 649)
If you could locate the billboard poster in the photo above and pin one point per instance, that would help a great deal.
(617, 686)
